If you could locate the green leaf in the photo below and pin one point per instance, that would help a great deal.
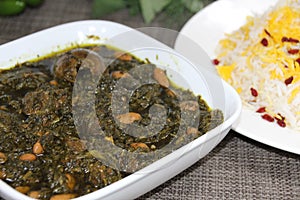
(193, 5)
(33, 3)
(104, 7)
(151, 7)
(134, 6)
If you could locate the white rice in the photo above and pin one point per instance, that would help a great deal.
(273, 93)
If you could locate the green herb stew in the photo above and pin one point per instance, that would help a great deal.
(50, 151)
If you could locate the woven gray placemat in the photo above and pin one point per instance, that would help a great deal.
(49, 14)
(238, 168)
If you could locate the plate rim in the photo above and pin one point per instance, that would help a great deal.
(239, 127)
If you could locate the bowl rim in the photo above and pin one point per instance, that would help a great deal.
(7, 190)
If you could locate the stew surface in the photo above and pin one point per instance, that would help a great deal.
(52, 148)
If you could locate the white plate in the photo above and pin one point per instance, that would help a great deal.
(206, 28)
(142, 181)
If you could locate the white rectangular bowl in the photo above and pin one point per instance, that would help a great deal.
(196, 78)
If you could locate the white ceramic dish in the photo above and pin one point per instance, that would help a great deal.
(140, 182)
(206, 28)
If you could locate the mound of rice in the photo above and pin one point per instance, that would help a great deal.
(262, 61)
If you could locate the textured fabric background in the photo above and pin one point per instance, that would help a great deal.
(238, 168)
